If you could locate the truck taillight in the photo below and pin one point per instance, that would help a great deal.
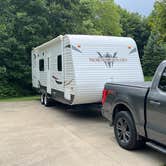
(105, 94)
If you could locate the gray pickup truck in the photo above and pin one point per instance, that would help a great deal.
(138, 111)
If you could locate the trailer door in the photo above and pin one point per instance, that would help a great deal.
(59, 73)
(57, 68)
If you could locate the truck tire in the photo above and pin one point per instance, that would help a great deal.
(125, 131)
(42, 99)
(46, 101)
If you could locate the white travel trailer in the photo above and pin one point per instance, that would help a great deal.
(73, 69)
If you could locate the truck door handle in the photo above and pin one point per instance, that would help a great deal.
(154, 102)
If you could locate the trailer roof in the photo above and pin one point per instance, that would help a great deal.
(84, 37)
(49, 42)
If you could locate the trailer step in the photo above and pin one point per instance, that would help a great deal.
(156, 147)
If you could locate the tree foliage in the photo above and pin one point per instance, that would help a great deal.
(26, 24)
(155, 50)
(154, 54)
(105, 17)
(157, 19)
(135, 26)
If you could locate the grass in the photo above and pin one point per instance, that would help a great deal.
(148, 78)
(14, 99)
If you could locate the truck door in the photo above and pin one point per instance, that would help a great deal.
(156, 111)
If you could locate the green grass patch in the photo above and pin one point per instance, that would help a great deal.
(147, 78)
(14, 99)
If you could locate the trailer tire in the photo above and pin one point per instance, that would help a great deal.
(42, 99)
(46, 100)
(125, 131)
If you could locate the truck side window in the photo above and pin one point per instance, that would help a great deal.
(59, 62)
(162, 83)
(41, 64)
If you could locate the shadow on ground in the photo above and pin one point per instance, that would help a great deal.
(86, 112)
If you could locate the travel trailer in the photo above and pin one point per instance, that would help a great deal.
(73, 69)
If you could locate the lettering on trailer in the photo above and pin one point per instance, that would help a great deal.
(108, 59)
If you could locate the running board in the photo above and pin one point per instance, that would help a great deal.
(156, 147)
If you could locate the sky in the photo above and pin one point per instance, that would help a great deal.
(144, 7)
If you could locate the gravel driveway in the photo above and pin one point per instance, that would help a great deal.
(33, 135)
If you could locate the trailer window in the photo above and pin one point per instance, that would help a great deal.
(162, 83)
(41, 64)
(59, 62)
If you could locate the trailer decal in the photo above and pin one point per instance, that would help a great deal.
(133, 51)
(56, 80)
(108, 58)
(74, 48)
(68, 83)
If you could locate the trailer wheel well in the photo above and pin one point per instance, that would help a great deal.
(119, 108)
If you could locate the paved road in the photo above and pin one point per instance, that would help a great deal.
(32, 135)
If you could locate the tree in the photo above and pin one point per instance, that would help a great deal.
(28, 23)
(105, 17)
(154, 53)
(135, 26)
(70, 17)
(157, 19)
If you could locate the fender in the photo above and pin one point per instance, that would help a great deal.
(124, 100)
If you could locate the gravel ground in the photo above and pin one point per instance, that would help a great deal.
(33, 135)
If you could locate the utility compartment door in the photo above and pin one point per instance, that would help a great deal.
(34, 70)
(156, 111)
(48, 72)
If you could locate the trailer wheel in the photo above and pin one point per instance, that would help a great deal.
(46, 101)
(125, 131)
(42, 99)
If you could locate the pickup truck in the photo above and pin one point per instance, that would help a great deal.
(137, 110)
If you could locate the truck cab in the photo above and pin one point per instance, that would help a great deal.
(156, 106)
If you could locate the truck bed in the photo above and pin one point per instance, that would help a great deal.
(131, 93)
(133, 84)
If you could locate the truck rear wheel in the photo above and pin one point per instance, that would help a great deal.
(125, 131)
